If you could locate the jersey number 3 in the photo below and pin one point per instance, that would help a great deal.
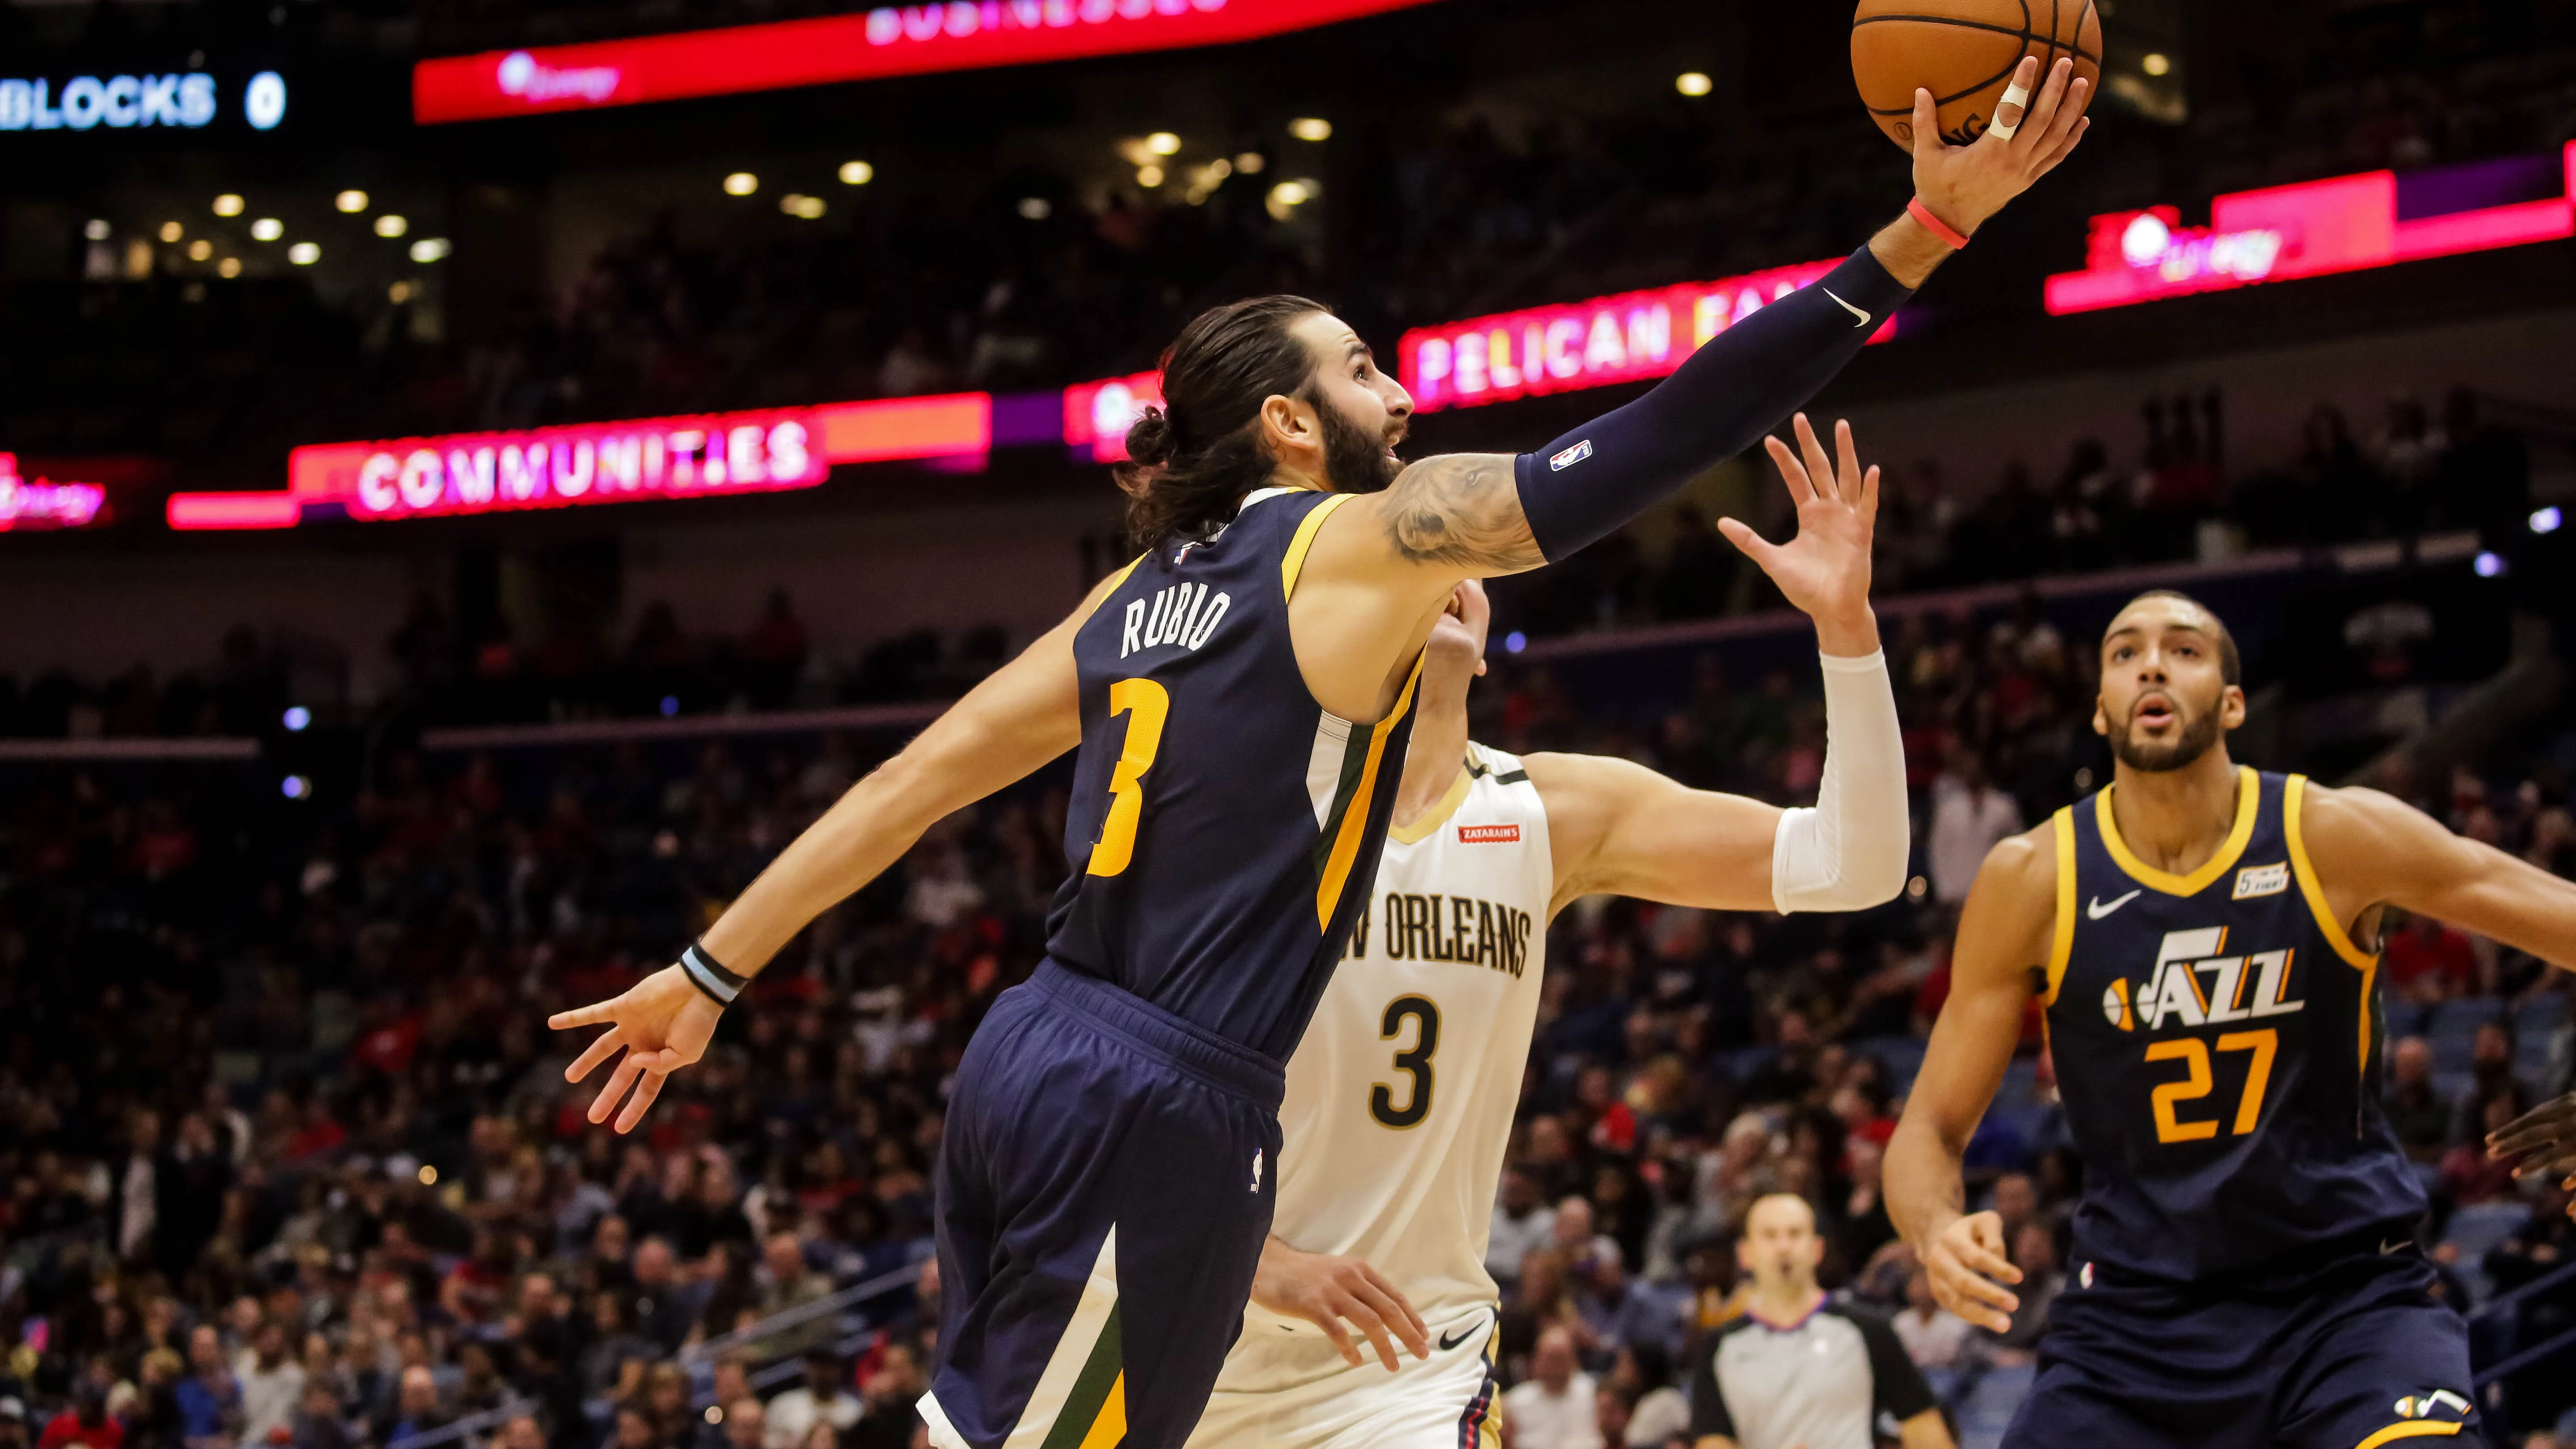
(1145, 703)
(1415, 1063)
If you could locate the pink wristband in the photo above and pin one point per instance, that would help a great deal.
(1933, 224)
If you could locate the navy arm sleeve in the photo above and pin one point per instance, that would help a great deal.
(1719, 403)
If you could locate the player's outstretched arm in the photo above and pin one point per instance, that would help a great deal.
(1621, 828)
(1326, 1290)
(2368, 847)
(1023, 715)
(1482, 514)
(2005, 934)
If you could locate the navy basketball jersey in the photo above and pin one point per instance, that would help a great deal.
(1224, 827)
(2216, 1040)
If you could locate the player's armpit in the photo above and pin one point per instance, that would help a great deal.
(2005, 937)
(1617, 827)
(2368, 848)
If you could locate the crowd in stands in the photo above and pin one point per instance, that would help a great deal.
(289, 1159)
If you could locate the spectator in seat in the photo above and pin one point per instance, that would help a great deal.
(1969, 815)
(1556, 1407)
(419, 1408)
(746, 1424)
(2428, 962)
(1931, 1333)
(1522, 1223)
(271, 1386)
(2469, 1175)
(888, 1420)
(2415, 1109)
(1658, 1414)
(209, 1398)
(2490, 1076)
(786, 1283)
(823, 1399)
(86, 1423)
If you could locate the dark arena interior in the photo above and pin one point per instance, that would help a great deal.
(477, 479)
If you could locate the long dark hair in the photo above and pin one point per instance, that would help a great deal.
(1194, 458)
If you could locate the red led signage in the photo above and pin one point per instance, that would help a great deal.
(42, 503)
(699, 457)
(886, 41)
(1097, 415)
(2311, 229)
(1586, 344)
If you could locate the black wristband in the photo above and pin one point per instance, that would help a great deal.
(709, 975)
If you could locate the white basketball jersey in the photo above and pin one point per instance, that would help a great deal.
(1400, 1096)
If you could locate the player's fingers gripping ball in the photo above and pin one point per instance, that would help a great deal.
(1965, 53)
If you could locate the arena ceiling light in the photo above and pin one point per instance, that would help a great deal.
(229, 204)
(171, 231)
(267, 229)
(2156, 63)
(98, 230)
(304, 254)
(1287, 196)
(431, 249)
(390, 226)
(200, 250)
(228, 268)
(1036, 208)
(741, 183)
(1250, 163)
(1311, 128)
(1693, 83)
(1149, 177)
(352, 201)
(804, 208)
(1163, 143)
(857, 173)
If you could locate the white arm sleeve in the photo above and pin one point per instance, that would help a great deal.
(1849, 851)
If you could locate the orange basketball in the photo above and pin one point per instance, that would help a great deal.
(1964, 51)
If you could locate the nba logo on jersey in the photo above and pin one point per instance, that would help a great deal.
(1570, 456)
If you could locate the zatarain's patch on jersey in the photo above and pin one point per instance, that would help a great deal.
(1482, 834)
(2262, 880)
(1570, 456)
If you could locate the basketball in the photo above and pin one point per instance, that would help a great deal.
(1964, 51)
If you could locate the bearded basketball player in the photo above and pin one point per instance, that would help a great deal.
(2204, 940)
(1239, 700)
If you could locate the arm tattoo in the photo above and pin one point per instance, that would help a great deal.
(1464, 510)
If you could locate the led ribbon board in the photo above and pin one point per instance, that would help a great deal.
(2318, 228)
(886, 41)
(1587, 344)
(42, 503)
(695, 457)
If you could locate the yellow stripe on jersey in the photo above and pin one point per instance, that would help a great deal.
(2412, 1429)
(1293, 561)
(2249, 799)
(2061, 947)
(1437, 816)
(2294, 796)
(1346, 845)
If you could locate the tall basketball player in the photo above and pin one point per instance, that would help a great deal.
(1240, 696)
(2203, 937)
(1400, 1097)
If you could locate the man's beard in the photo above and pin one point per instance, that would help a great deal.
(1354, 461)
(2195, 741)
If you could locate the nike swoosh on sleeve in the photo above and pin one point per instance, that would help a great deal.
(1848, 307)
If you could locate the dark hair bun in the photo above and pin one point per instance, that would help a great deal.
(1151, 441)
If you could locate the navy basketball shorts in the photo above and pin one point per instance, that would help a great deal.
(1105, 1187)
(2350, 1352)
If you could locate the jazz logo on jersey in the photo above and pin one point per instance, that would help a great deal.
(2262, 880)
(1256, 1169)
(2239, 988)
(2421, 1406)
(1180, 614)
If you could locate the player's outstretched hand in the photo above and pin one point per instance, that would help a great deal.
(1963, 185)
(2541, 1143)
(1325, 1290)
(662, 1023)
(1825, 569)
(1968, 1271)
